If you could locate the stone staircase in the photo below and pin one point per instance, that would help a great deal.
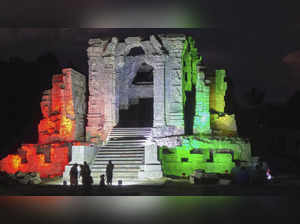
(125, 148)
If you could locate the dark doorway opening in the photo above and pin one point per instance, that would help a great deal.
(144, 75)
(138, 115)
(189, 111)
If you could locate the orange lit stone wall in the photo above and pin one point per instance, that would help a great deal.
(59, 154)
(63, 109)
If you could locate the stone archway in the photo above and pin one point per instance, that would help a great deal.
(107, 68)
(136, 94)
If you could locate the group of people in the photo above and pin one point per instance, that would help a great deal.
(85, 174)
(252, 175)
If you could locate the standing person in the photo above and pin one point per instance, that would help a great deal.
(109, 172)
(86, 175)
(74, 175)
(102, 181)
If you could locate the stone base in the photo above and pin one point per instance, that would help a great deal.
(81, 154)
(166, 131)
(150, 172)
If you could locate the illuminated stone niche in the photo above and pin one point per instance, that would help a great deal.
(223, 124)
(63, 108)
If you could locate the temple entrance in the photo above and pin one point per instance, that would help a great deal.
(138, 115)
(139, 109)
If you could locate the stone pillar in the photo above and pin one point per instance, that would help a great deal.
(152, 166)
(202, 115)
(173, 81)
(110, 93)
(95, 118)
(159, 95)
(102, 111)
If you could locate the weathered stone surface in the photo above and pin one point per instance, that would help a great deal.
(110, 81)
(63, 108)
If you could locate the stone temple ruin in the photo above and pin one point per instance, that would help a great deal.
(153, 110)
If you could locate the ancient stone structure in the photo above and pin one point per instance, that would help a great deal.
(113, 66)
(63, 108)
(130, 79)
(186, 101)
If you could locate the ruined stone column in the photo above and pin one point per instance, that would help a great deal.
(102, 113)
(202, 115)
(159, 95)
(173, 83)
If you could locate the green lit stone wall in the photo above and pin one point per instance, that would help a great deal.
(202, 116)
(192, 77)
(218, 90)
(190, 60)
(195, 153)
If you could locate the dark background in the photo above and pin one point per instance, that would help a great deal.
(257, 42)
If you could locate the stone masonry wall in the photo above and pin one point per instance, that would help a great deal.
(63, 108)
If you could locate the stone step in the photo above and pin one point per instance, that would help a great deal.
(133, 128)
(117, 166)
(121, 177)
(118, 169)
(118, 176)
(118, 162)
(119, 152)
(118, 158)
(115, 173)
(125, 179)
(122, 136)
(125, 144)
(120, 146)
(121, 155)
(128, 141)
(130, 132)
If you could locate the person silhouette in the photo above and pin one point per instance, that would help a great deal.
(86, 175)
(109, 172)
(102, 180)
(74, 175)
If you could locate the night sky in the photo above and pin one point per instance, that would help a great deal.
(262, 58)
(257, 42)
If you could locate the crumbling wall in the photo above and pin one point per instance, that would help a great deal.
(212, 154)
(63, 108)
(221, 123)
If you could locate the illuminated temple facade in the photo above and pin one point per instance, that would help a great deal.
(159, 83)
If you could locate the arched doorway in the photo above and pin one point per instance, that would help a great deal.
(139, 112)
